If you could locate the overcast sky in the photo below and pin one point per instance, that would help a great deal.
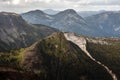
(20, 6)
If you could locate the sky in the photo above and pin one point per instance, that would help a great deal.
(20, 6)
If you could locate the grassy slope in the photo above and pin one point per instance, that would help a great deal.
(11, 69)
(107, 54)
(53, 58)
(58, 59)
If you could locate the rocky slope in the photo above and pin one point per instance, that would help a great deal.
(51, 11)
(37, 17)
(16, 32)
(108, 23)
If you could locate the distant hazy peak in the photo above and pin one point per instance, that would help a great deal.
(36, 12)
(69, 11)
(51, 11)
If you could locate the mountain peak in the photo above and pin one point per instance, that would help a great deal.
(12, 19)
(67, 12)
(50, 11)
(36, 12)
(70, 11)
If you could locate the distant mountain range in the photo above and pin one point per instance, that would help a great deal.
(67, 20)
(81, 13)
(70, 21)
(50, 11)
(107, 23)
(16, 33)
(89, 13)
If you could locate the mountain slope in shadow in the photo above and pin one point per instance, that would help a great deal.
(58, 59)
(16, 33)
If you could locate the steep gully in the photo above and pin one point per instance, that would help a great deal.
(81, 42)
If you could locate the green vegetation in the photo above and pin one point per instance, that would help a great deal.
(107, 54)
(11, 59)
(10, 68)
(55, 58)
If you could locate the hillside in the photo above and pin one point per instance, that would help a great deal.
(56, 58)
(16, 33)
(63, 56)
(108, 54)
(108, 23)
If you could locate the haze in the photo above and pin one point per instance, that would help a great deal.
(20, 6)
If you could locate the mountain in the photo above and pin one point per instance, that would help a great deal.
(57, 58)
(37, 17)
(89, 13)
(107, 23)
(107, 51)
(67, 20)
(50, 11)
(16, 33)
(81, 13)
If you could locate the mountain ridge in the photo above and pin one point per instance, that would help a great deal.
(14, 29)
(106, 22)
(55, 54)
(67, 20)
(58, 57)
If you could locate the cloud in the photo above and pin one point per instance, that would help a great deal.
(82, 2)
(26, 5)
(12, 2)
(99, 2)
